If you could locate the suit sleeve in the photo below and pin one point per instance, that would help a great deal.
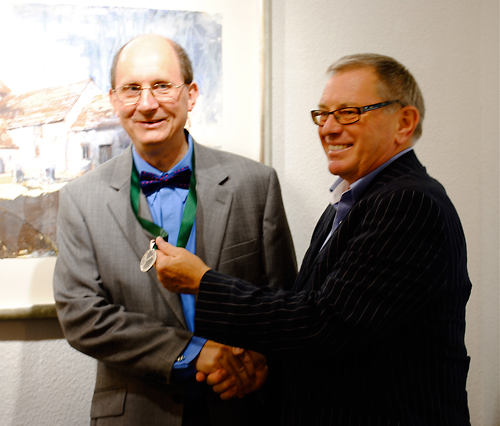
(382, 273)
(92, 321)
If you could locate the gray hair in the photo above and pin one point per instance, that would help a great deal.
(396, 82)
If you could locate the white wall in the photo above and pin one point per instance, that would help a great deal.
(43, 381)
(452, 48)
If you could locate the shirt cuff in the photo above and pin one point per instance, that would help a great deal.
(184, 367)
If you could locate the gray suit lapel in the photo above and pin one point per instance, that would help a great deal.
(214, 203)
(121, 208)
(133, 232)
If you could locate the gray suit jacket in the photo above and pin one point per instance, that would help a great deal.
(124, 318)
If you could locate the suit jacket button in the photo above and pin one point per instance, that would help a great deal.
(177, 398)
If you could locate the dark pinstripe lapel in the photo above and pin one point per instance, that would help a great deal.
(320, 233)
(403, 165)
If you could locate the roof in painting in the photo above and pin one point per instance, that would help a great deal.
(44, 106)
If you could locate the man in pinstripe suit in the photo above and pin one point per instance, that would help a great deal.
(373, 331)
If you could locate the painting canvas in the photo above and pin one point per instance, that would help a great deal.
(56, 121)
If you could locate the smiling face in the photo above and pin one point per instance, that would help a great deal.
(156, 128)
(354, 150)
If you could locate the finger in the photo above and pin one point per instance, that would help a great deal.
(257, 358)
(238, 351)
(247, 361)
(217, 377)
(226, 385)
(249, 365)
(229, 394)
(231, 365)
(201, 377)
(242, 377)
(214, 354)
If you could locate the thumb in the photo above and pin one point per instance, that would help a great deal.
(237, 351)
(165, 247)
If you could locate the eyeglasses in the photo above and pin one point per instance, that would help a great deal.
(130, 94)
(347, 115)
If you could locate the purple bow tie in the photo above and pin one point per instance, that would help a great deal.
(151, 182)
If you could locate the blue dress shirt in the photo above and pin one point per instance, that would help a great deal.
(167, 207)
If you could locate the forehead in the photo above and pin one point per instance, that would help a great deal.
(351, 88)
(147, 60)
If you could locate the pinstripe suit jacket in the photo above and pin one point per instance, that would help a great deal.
(124, 318)
(373, 333)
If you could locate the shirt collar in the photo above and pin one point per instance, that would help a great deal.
(143, 166)
(340, 186)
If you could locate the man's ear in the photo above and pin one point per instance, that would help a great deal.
(113, 100)
(408, 120)
(193, 95)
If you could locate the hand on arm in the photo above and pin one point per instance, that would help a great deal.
(177, 269)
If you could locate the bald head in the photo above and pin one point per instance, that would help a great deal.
(154, 44)
(155, 126)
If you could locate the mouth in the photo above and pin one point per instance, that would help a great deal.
(151, 123)
(338, 147)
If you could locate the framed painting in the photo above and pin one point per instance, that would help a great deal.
(56, 121)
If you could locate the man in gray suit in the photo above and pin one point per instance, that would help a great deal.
(111, 306)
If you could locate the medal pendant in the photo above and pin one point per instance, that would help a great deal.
(149, 258)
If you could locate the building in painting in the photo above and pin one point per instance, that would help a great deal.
(97, 133)
(48, 137)
(38, 139)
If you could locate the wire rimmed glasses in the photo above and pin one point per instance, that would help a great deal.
(130, 94)
(348, 115)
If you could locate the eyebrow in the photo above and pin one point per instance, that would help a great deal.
(152, 84)
(344, 105)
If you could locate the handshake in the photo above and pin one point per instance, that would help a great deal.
(230, 371)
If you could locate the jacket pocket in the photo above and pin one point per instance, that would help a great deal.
(243, 261)
(247, 248)
(108, 402)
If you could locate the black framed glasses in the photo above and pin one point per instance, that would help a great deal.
(348, 115)
(130, 94)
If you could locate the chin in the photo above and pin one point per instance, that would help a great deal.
(334, 169)
(152, 139)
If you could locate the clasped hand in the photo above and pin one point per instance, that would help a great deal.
(230, 371)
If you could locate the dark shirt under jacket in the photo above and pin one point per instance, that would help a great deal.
(373, 333)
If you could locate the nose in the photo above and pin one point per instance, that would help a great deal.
(147, 102)
(331, 126)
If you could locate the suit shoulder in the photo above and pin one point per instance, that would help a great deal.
(405, 174)
(414, 191)
(99, 175)
(229, 157)
(235, 164)
(419, 181)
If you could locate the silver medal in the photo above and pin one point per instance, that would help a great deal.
(149, 258)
